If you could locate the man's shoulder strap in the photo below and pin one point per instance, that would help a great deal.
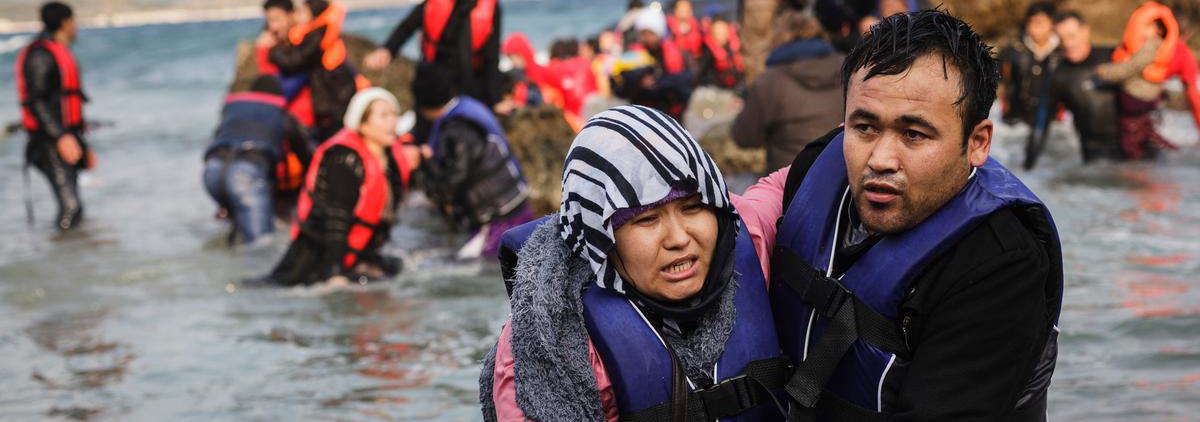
(804, 160)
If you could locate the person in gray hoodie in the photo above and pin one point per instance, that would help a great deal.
(798, 97)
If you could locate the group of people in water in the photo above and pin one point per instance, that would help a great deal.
(1110, 91)
(885, 269)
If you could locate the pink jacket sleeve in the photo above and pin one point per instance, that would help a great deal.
(504, 387)
(760, 207)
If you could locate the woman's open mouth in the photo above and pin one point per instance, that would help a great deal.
(680, 269)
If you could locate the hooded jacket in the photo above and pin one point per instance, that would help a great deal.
(791, 102)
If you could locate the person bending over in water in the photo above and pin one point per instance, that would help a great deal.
(348, 204)
(645, 290)
(249, 156)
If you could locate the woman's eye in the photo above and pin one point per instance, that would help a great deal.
(646, 220)
(695, 206)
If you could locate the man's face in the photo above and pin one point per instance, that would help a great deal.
(720, 31)
(1076, 39)
(1039, 28)
(683, 10)
(279, 21)
(68, 28)
(903, 144)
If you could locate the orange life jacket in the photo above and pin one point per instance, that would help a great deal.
(437, 14)
(372, 194)
(1157, 71)
(72, 94)
(688, 42)
(727, 66)
(332, 45)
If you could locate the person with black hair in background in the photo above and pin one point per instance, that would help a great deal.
(314, 46)
(1091, 101)
(1026, 65)
(51, 98)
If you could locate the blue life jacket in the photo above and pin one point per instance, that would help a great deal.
(639, 366)
(496, 186)
(252, 121)
(878, 280)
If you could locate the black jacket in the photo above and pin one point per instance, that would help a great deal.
(43, 85)
(1026, 81)
(469, 176)
(979, 321)
(1092, 102)
(317, 253)
(331, 89)
(475, 74)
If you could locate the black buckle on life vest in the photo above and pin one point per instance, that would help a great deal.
(729, 397)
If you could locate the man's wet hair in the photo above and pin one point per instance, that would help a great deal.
(897, 41)
(285, 5)
(54, 14)
(1069, 14)
(1039, 8)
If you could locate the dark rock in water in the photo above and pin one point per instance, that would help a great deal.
(540, 137)
(395, 78)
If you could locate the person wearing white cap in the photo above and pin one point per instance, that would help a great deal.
(667, 84)
(348, 203)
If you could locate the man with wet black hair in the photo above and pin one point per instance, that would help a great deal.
(51, 97)
(913, 278)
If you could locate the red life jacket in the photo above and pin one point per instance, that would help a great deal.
(372, 194)
(727, 66)
(334, 49)
(688, 42)
(437, 14)
(72, 94)
(672, 58)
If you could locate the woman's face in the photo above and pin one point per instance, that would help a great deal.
(665, 252)
(380, 125)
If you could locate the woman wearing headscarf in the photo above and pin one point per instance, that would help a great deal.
(348, 204)
(643, 298)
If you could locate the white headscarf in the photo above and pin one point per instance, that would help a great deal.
(360, 101)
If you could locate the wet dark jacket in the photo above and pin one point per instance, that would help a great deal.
(1091, 101)
(467, 175)
(331, 89)
(317, 253)
(479, 76)
(1026, 82)
(978, 322)
(262, 130)
(791, 103)
(43, 84)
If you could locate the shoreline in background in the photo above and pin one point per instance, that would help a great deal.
(143, 17)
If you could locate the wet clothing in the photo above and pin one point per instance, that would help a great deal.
(1138, 98)
(1129, 73)
(330, 88)
(797, 99)
(472, 176)
(1091, 101)
(320, 243)
(48, 117)
(1026, 69)
(979, 317)
(474, 71)
(255, 136)
(242, 186)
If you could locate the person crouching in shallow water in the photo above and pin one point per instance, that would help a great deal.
(644, 291)
(348, 204)
(468, 168)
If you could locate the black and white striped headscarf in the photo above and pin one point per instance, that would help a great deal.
(627, 157)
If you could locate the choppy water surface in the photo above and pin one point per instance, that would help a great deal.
(133, 317)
